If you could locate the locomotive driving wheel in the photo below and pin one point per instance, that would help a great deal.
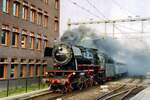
(81, 86)
(64, 90)
(90, 83)
(85, 84)
(69, 88)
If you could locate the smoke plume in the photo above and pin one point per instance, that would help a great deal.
(133, 53)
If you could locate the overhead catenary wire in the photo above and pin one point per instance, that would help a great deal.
(85, 9)
(126, 27)
(106, 20)
(122, 8)
(98, 11)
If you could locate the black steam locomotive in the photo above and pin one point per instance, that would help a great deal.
(77, 67)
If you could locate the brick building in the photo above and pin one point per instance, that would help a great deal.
(26, 28)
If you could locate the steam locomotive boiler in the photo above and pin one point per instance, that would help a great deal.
(75, 67)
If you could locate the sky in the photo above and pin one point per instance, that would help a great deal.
(85, 10)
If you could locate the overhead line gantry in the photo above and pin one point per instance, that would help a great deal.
(113, 22)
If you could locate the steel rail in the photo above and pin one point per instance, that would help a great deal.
(110, 93)
(129, 93)
(48, 95)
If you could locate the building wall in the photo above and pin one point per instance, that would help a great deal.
(19, 56)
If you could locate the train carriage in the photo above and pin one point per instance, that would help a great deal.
(120, 69)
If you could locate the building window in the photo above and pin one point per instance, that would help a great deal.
(6, 6)
(39, 18)
(45, 21)
(3, 68)
(37, 70)
(44, 70)
(24, 39)
(31, 41)
(25, 12)
(1, 71)
(31, 70)
(38, 46)
(5, 37)
(16, 9)
(15, 37)
(23, 70)
(46, 1)
(57, 4)
(32, 15)
(45, 41)
(56, 25)
(13, 71)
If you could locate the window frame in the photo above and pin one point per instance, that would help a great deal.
(33, 15)
(31, 70)
(6, 37)
(25, 12)
(46, 2)
(39, 18)
(16, 9)
(56, 4)
(23, 69)
(44, 70)
(56, 24)
(4, 62)
(32, 40)
(24, 34)
(2, 68)
(45, 41)
(37, 70)
(13, 71)
(45, 24)
(6, 9)
(15, 33)
(38, 43)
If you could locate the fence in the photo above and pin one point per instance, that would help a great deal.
(20, 85)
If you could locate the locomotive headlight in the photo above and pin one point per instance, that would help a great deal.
(74, 73)
(46, 73)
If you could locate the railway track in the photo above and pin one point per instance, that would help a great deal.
(132, 92)
(46, 95)
(123, 92)
(106, 95)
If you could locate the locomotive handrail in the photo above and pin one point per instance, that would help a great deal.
(79, 65)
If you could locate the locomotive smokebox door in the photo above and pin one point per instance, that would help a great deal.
(48, 52)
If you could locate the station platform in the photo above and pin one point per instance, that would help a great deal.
(143, 95)
(24, 95)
